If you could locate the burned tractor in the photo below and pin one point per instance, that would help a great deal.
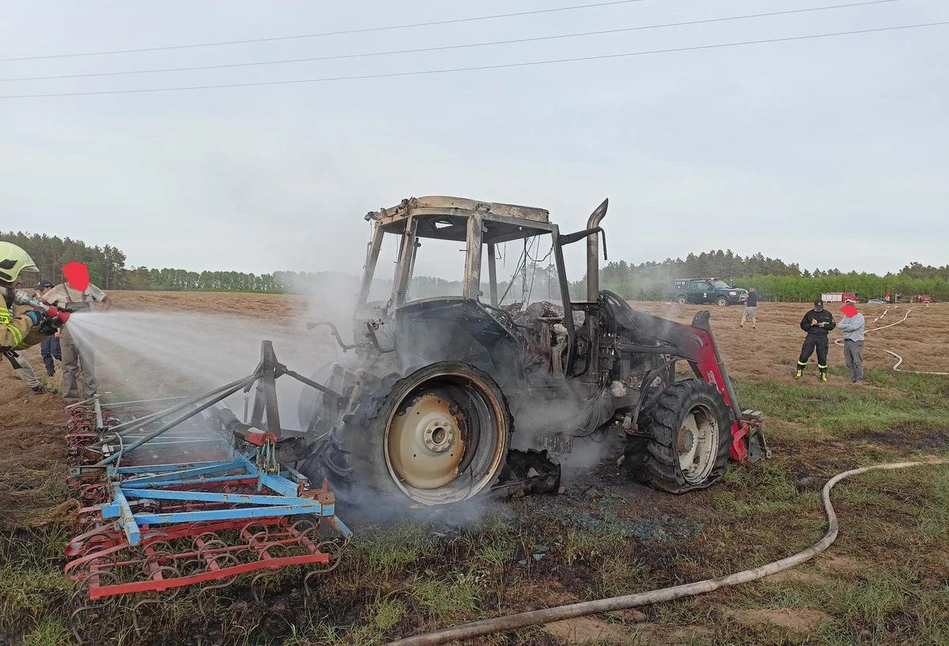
(438, 399)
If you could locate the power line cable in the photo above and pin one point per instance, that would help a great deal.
(451, 70)
(451, 47)
(321, 34)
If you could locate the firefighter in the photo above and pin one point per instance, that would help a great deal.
(18, 332)
(817, 323)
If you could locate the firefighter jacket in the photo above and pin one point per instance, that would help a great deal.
(16, 332)
(825, 323)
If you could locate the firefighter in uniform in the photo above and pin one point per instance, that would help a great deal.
(817, 323)
(20, 331)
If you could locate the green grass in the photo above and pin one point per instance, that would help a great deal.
(912, 403)
(620, 574)
(379, 618)
(496, 556)
(384, 552)
(48, 632)
(31, 580)
(585, 546)
(27, 592)
(459, 596)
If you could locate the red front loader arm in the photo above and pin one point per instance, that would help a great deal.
(695, 344)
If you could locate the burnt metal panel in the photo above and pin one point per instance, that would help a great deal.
(457, 329)
(472, 279)
(446, 205)
(369, 269)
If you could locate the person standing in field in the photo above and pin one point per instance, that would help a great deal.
(79, 296)
(818, 322)
(49, 348)
(751, 309)
(853, 325)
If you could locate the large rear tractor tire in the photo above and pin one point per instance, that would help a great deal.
(437, 436)
(689, 428)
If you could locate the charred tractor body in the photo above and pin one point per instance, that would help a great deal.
(431, 390)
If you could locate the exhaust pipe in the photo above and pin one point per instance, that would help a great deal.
(593, 254)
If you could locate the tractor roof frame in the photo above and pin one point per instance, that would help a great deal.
(446, 218)
(478, 224)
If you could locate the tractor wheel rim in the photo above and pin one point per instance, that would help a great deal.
(460, 446)
(426, 445)
(697, 444)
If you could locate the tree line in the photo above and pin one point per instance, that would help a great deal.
(50, 253)
(773, 278)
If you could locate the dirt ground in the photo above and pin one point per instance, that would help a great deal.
(772, 349)
(33, 492)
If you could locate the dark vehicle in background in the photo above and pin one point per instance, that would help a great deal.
(707, 290)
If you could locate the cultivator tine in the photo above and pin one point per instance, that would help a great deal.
(258, 585)
(157, 574)
(86, 620)
(334, 550)
(97, 538)
(205, 591)
(94, 494)
(100, 561)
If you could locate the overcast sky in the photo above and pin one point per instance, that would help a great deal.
(826, 152)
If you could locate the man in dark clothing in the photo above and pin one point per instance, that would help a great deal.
(817, 323)
(49, 347)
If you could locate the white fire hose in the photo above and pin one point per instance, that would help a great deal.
(899, 359)
(570, 611)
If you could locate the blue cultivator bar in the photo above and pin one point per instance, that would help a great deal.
(183, 485)
(191, 495)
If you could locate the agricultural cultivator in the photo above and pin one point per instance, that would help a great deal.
(180, 492)
(448, 397)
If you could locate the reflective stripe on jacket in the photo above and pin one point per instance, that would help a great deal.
(13, 329)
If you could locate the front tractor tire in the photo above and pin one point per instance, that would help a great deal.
(437, 436)
(689, 429)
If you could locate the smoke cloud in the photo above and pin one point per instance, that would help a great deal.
(150, 355)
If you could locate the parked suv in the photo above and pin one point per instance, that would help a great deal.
(707, 290)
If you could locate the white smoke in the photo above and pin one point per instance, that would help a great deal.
(150, 355)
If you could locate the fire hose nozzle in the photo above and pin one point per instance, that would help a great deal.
(22, 298)
(56, 313)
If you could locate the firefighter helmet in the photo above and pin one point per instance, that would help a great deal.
(14, 260)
